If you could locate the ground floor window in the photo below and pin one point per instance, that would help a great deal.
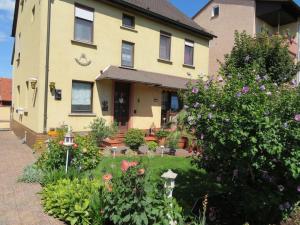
(82, 97)
(171, 105)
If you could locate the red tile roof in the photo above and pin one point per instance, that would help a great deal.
(5, 89)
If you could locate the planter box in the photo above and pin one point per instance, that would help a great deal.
(151, 138)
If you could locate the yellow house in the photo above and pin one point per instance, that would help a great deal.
(120, 60)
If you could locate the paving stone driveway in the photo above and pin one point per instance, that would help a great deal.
(19, 203)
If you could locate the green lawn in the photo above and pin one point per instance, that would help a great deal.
(191, 183)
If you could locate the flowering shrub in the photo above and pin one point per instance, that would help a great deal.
(84, 154)
(268, 54)
(132, 199)
(250, 131)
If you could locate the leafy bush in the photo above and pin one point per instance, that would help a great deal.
(173, 139)
(32, 174)
(132, 199)
(268, 55)
(52, 176)
(152, 146)
(250, 131)
(69, 200)
(84, 155)
(100, 130)
(162, 134)
(134, 138)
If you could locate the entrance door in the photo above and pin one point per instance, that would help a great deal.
(121, 105)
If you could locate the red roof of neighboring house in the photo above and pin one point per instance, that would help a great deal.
(5, 89)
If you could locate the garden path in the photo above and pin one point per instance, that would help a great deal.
(20, 203)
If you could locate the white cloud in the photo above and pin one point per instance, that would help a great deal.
(7, 5)
(3, 37)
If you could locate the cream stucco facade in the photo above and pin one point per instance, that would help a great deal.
(145, 100)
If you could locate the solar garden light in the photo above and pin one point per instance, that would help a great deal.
(114, 149)
(162, 150)
(68, 142)
(169, 177)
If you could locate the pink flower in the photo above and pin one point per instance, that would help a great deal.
(195, 90)
(245, 90)
(107, 177)
(124, 165)
(297, 117)
(298, 188)
(61, 142)
(133, 164)
(141, 171)
(75, 146)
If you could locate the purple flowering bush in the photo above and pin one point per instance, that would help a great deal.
(249, 129)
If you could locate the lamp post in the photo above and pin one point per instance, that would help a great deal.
(68, 142)
(114, 149)
(162, 150)
(169, 177)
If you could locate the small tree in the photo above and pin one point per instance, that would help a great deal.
(100, 130)
(267, 55)
(134, 139)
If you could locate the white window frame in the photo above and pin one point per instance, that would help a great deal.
(213, 11)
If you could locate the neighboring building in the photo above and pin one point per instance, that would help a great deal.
(5, 92)
(123, 60)
(224, 17)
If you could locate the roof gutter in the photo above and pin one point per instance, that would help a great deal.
(47, 67)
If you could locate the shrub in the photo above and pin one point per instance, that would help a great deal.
(152, 146)
(173, 139)
(162, 134)
(134, 138)
(294, 218)
(250, 131)
(52, 176)
(268, 55)
(100, 130)
(69, 200)
(84, 155)
(133, 199)
(32, 174)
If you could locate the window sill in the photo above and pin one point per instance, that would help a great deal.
(129, 29)
(82, 115)
(165, 61)
(84, 44)
(189, 66)
(128, 68)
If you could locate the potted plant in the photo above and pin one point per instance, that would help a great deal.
(161, 136)
(134, 139)
(172, 141)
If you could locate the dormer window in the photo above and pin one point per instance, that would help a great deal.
(128, 21)
(215, 11)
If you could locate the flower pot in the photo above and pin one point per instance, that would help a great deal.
(182, 143)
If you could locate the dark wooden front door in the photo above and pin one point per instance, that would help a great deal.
(121, 104)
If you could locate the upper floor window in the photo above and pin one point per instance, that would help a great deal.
(165, 46)
(215, 11)
(127, 54)
(189, 53)
(82, 97)
(84, 24)
(128, 21)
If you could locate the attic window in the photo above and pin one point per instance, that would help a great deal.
(215, 11)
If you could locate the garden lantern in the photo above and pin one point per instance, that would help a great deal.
(68, 142)
(169, 177)
(162, 150)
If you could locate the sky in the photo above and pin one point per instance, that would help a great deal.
(189, 7)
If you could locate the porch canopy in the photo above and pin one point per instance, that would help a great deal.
(277, 13)
(149, 78)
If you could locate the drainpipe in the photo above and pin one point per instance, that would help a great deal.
(47, 67)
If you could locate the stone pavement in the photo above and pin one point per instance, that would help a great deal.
(19, 203)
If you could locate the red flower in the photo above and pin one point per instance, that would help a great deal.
(133, 164)
(75, 146)
(61, 142)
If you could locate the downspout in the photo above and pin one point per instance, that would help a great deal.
(47, 67)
